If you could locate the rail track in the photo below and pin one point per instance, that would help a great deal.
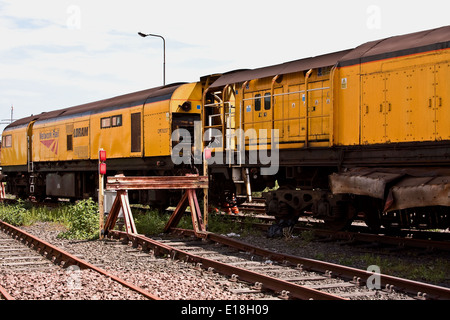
(250, 270)
(429, 240)
(23, 255)
(288, 277)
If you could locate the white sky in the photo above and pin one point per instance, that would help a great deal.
(60, 53)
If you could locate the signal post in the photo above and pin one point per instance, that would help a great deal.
(101, 174)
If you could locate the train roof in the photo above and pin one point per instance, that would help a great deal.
(122, 101)
(284, 68)
(423, 41)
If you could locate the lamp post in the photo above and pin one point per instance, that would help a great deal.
(164, 51)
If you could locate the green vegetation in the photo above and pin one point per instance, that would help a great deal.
(82, 222)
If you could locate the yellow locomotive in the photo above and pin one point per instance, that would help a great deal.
(361, 132)
(55, 154)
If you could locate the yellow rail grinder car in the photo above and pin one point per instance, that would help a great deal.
(361, 132)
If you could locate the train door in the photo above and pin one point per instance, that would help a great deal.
(420, 116)
(263, 116)
(373, 128)
(136, 135)
(293, 113)
(252, 105)
(278, 113)
(441, 100)
(318, 110)
(396, 106)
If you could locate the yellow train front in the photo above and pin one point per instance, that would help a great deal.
(362, 132)
(55, 154)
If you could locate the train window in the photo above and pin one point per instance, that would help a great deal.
(116, 121)
(69, 142)
(257, 102)
(7, 141)
(267, 101)
(105, 122)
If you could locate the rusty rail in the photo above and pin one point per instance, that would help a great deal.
(5, 294)
(61, 257)
(410, 286)
(277, 285)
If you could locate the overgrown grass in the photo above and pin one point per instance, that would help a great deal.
(80, 219)
(153, 222)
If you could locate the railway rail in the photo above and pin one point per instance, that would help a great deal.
(356, 233)
(20, 251)
(290, 277)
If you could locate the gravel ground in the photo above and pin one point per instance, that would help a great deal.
(174, 280)
(164, 278)
(414, 264)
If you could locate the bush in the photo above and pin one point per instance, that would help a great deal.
(14, 214)
(83, 221)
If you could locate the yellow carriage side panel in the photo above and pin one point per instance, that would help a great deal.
(295, 114)
(442, 96)
(47, 142)
(319, 111)
(346, 106)
(77, 139)
(373, 116)
(14, 147)
(158, 133)
(112, 131)
(157, 129)
(402, 99)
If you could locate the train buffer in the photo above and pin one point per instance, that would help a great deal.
(189, 183)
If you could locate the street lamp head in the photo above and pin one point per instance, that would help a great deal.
(143, 35)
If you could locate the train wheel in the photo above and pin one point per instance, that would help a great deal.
(341, 217)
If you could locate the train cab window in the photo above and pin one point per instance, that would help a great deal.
(257, 102)
(116, 121)
(108, 122)
(105, 122)
(7, 141)
(267, 101)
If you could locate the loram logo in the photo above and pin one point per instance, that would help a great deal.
(50, 140)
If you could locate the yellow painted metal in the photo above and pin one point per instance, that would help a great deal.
(401, 99)
(288, 112)
(442, 97)
(346, 106)
(16, 154)
(115, 139)
(191, 92)
(157, 129)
